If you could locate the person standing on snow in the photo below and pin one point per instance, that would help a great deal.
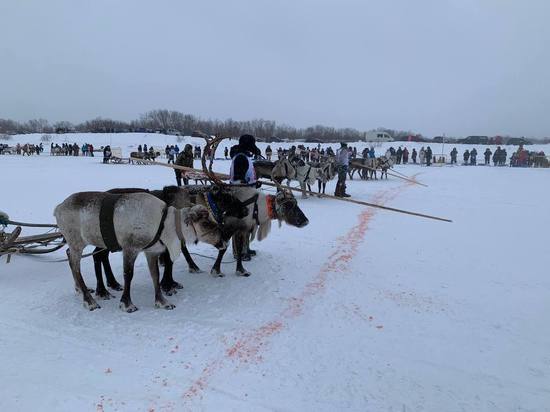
(454, 153)
(429, 155)
(398, 155)
(487, 155)
(466, 157)
(422, 155)
(473, 156)
(342, 162)
(372, 154)
(107, 154)
(243, 173)
(185, 159)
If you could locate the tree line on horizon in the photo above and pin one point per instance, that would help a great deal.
(174, 122)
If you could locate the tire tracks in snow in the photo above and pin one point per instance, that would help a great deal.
(249, 346)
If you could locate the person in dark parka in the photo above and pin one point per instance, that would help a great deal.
(185, 158)
(466, 156)
(487, 155)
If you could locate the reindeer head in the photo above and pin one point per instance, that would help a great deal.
(206, 229)
(288, 210)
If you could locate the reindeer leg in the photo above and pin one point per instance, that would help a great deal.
(128, 259)
(246, 247)
(100, 290)
(76, 286)
(168, 285)
(239, 243)
(111, 280)
(75, 256)
(216, 269)
(193, 268)
(152, 262)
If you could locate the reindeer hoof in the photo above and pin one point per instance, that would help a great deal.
(164, 305)
(244, 273)
(195, 269)
(246, 258)
(104, 295)
(177, 285)
(115, 286)
(216, 273)
(128, 308)
(91, 305)
(169, 291)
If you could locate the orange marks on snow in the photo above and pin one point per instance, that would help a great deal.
(247, 348)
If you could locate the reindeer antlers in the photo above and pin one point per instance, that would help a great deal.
(210, 148)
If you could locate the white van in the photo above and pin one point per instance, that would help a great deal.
(375, 136)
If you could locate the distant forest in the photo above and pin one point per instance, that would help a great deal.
(177, 123)
(174, 122)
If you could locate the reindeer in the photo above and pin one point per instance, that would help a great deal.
(326, 173)
(261, 210)
(297, 169)
(366, 168)
(276, 171)
(133, 223)
(306, 175)
(178, 197)
(384, 163)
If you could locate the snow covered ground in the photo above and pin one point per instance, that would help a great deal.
(362, 310)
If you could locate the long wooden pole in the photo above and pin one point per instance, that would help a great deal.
(392, 174)
(295, 189)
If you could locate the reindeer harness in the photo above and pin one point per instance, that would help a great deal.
(107, 227)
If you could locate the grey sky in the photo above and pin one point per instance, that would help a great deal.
(457, 67)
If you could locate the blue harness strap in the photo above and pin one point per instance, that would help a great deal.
(213, 207)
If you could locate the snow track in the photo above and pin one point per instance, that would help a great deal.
(361, 310)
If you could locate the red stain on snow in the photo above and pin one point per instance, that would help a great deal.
(247, 348)
(200, 384)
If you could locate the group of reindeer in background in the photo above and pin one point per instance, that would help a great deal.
(293, 167)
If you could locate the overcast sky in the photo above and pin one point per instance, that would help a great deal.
(458, 67)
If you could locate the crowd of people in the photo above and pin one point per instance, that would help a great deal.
(402, 155)
(67, 149)
(526, 158)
